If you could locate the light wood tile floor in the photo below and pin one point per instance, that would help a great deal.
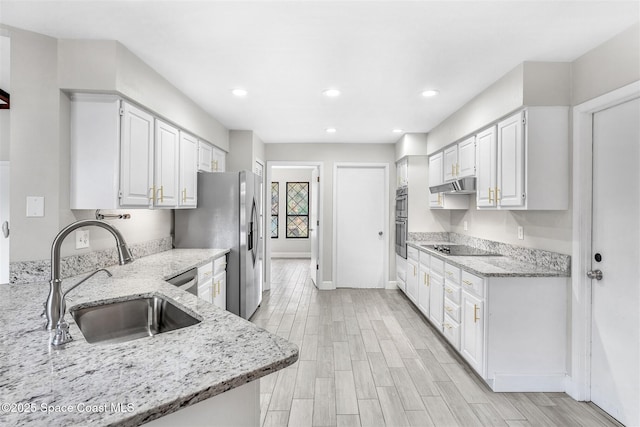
(369, 358)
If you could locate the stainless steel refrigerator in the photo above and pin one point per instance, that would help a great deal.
(227, 216)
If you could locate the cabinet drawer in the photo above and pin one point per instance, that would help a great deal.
(219, 264)
(451, 331)
(425, 259)
(452, 273)
(205, 291)
(205, 272)
(473, 284)
(437, 265)
(452, 292)
(413, 253)
(451, 309)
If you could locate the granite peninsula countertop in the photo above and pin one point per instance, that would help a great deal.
(149, 377)
(490, 266)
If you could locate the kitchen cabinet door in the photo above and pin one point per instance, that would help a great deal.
(137, 148)
(466, 158)
(450, 162)
(205, 157)
(472, 334)
(188, 171)
(220, 290)
(436, 299)
(510, 167)
(167, 154)
(424, 290)
(412, 280)
(219, 160)
(435, 178)
(486, 168)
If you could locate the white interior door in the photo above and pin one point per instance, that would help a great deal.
(259, 170)
(4, 221)
(314, 226)
(360, 226)
(615, 340)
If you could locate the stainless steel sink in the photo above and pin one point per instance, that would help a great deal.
(122, 321)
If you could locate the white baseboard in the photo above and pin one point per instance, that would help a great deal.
(574, 390)
(326, 286)
(392, 284)
(291, 255)
(528, 383)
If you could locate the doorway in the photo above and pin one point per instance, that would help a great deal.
(4, 220)
(360, 231)
(605, 320)
(290, 230)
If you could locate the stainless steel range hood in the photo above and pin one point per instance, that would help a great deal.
(459, 186)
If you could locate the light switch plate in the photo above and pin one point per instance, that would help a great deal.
(35, 206)
(465, 226)
(82, 239)
(520, 232)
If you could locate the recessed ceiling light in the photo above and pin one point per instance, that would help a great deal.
(239, 92)
(430, 92)
(330, 130)
(331, 93)
(397, 131)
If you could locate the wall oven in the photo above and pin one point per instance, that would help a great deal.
(402, 211)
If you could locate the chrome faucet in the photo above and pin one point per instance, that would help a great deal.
(55, 305)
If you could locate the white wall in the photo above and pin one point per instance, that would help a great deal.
(612, 65)
(39, 145)
(108, 66)
(330, 154)
(5, 84)
(245, 147)
(283, 247)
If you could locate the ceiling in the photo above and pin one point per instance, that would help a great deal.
(380, 54)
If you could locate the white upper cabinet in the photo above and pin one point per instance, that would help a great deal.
(450, 156)
(136, 165)
(510, 167)
(466, 158)
(121, 156)
(486, 168)
(205, 157)
(167, 151)
(523, 161)
(188, 170)
(402, 172)
(219, 160)
(435, 178)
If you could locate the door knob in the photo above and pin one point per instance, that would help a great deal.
(379, 233)
(594, 274)
(5, 229)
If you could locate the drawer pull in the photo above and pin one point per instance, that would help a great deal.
(449, 309)
(449, 273)
(448, 326)
(466, 282)
(475, 313)
(449, 291)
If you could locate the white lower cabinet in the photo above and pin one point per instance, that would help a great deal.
(472, 344)
(205, 278)
(511, 330)
(219, 285)
(401, 273)
(412, 273)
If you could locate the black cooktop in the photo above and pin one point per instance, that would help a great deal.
(460, 250)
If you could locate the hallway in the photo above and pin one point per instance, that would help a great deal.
(368, 358)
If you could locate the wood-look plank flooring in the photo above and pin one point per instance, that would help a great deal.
(369, 358)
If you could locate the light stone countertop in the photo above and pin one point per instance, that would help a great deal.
(490, 266)
(156, 375)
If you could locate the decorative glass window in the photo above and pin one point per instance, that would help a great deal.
(275, 207)
(297, 210)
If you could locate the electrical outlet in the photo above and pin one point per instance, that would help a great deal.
(465, 226)
(35, 206)
(82, 239)
(520, 232)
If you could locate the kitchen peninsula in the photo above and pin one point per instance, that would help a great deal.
(138, 381)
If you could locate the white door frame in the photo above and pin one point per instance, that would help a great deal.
(267, 218)
(579, 384)
(385, 167)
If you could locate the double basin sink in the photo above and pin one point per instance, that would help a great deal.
(120, 321)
